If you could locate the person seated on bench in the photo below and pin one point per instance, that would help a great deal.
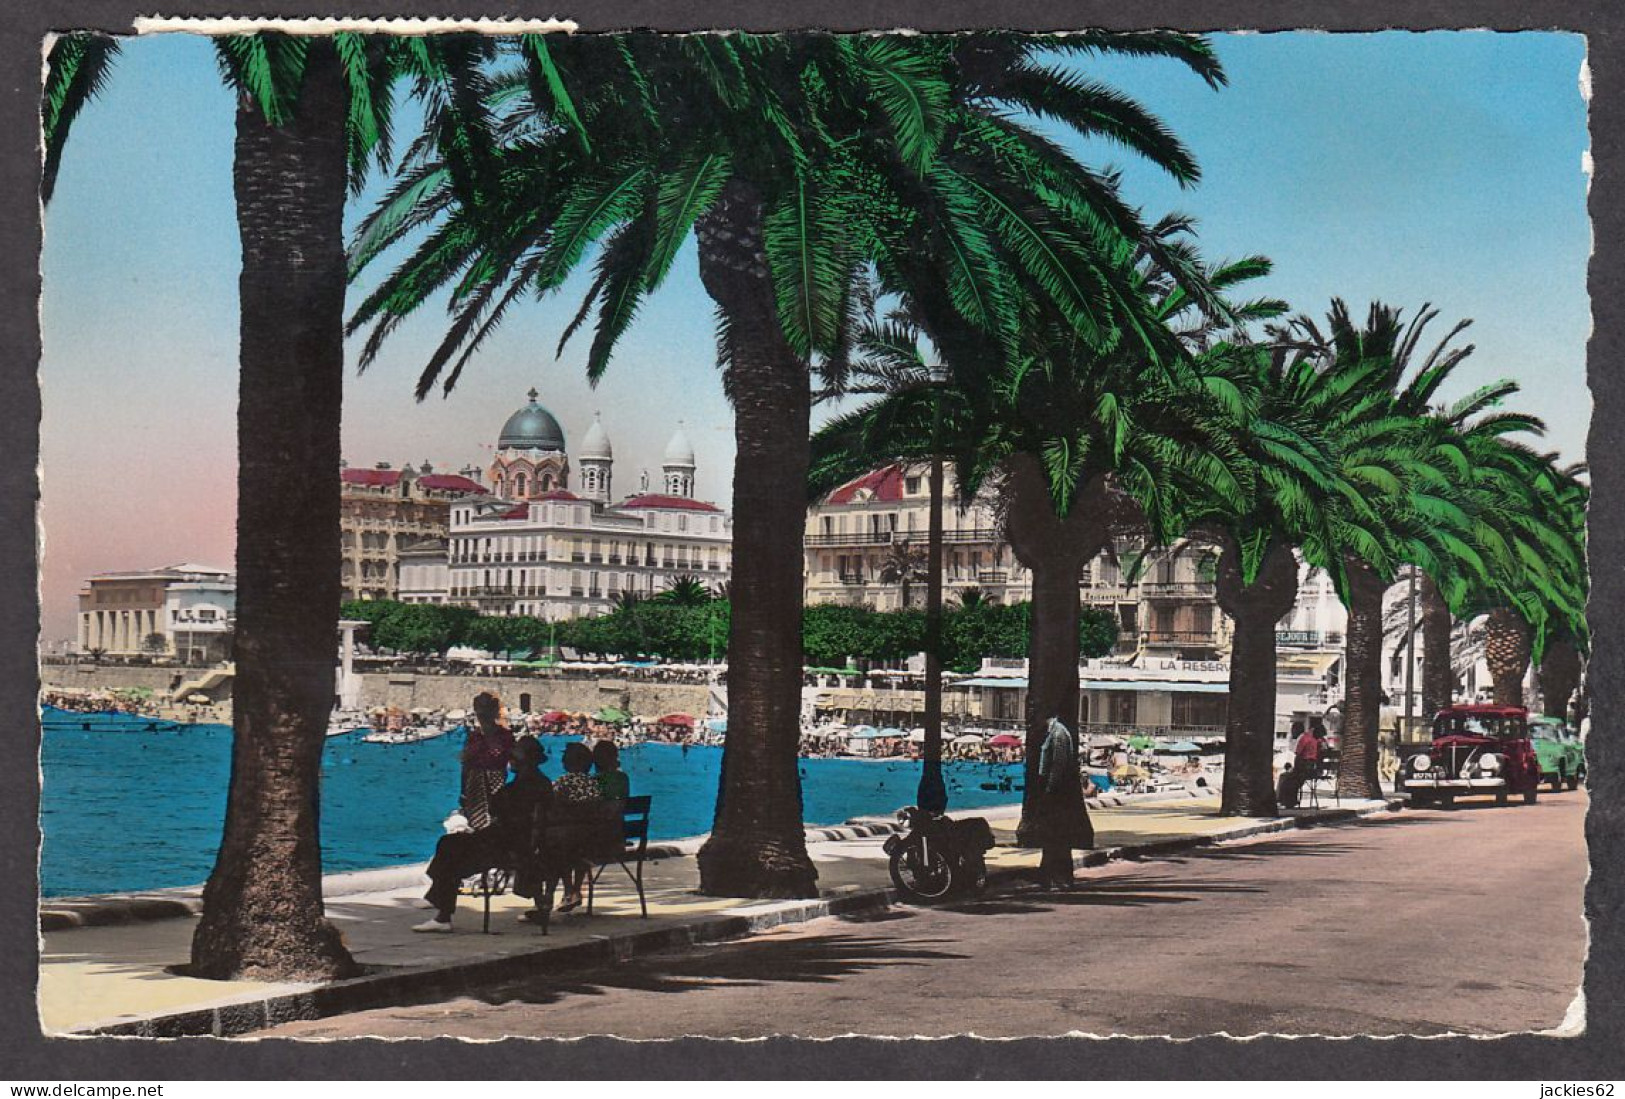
(508, 842)
(577, 800)
(613, 785)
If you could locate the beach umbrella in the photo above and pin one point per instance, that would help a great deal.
(611, 715)
(717, 724)
(860, 732)
(1141, 742)
(555, 717)
(1105, 741)
(684, 720)
(916, 736)
(1004, 740)
(1183, 747)
(199, 699)
(966, 740)
(891, 732)
(454, 715)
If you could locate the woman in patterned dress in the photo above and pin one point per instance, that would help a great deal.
(485, 759)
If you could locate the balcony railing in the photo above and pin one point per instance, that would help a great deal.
(851, 578)
(1309, 638)
(1177, 589)
(1180, 637)
(887, 537)
(993, 576)
(864, 538)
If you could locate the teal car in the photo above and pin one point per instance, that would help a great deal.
(1562, 757)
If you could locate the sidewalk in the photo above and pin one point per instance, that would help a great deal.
(113, 977)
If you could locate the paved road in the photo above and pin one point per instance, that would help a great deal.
(1413, 923)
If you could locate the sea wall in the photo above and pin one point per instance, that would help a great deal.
(408, 690)
(111, 676)
(573, 693)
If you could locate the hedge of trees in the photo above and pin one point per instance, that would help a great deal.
(676, 631)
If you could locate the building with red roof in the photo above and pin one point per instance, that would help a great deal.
(382, 510)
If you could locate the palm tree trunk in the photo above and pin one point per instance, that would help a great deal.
(1506, 652)
(1559, 677)
(1362, 699)
(757, 846)
(1438, 674)
(1249, 733)
(262, 907)
(1055, 550)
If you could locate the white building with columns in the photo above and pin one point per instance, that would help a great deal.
(542, 546)
(184, 611)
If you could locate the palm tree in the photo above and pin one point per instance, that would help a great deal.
(686, 590)
(311, 114)
(1081, 444)
(903, 565)
(1535, 533)
(1403, 461)
(1289, 419)
(1559, 675)
(793, 159)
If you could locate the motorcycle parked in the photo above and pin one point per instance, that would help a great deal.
(938, 855)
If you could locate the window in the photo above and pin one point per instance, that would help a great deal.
(682, 522)
(912, 486)
(1200, 709)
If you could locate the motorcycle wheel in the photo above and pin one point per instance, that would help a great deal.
(926, 879)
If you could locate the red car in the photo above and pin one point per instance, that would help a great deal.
(1475, 750)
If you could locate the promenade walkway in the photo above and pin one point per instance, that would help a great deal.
(116, 977)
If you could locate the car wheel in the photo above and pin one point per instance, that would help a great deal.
(1421, 801)
(1530, 796)
(1574, 780)
(1447, 801)
(1501, 797)
(1557, 781)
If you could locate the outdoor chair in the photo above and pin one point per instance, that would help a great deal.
(1309, 792)
(634, 845)
(485, 885)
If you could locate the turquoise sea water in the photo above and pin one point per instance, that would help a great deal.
(132, 803)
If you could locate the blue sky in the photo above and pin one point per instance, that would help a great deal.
(1443, 167)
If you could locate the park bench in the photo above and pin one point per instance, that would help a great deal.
(629, 855)
(634, 846)
(485, 885)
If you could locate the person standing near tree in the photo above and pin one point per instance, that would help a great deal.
(1062, 826)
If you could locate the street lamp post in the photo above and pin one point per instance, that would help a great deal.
(933, 792)
(1410, 653)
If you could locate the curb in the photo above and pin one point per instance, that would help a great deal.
(384, 989)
